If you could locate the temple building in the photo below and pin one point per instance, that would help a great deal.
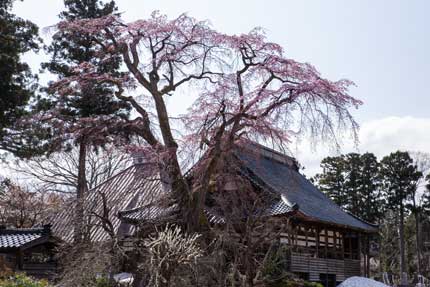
(323, 239)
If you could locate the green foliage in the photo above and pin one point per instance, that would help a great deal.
(426, 196)
(400, 177)
(352, 182)
(331, 180)
(103, 282)
(276, 264)
(20, 280)
(17, 83)
(76, 113)
(389, 243)
(411, 247)
(67, 50)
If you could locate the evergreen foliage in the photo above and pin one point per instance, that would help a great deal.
(68, 50)
(352, 182)
(399, 176)
(17, 83)
(84, 108)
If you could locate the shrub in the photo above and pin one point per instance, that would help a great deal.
(295, 283)
(20, 280)
(276, 264)
(103, 282)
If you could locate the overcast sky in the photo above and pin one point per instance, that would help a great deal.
(383, 46)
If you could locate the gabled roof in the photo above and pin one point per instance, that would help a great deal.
(276, 173)
(153, 213)
(130, 188)
(133, 195)
(19, 238)
(280, 174)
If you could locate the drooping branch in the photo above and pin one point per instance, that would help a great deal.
(245, 87)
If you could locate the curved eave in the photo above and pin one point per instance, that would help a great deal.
(304, 217)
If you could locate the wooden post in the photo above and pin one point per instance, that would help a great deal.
(359, 245)
(326, 241)
(343, 244)
(20, 259)
(317, 237)
(350, 245)
(359, 253)
(335, 244)
(306, 236)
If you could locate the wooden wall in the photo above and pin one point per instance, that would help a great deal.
(316, 266)
(318, 249)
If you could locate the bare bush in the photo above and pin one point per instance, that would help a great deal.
(169, 250)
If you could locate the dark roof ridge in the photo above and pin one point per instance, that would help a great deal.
(269, 153)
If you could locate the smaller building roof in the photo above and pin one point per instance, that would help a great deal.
(18, 238)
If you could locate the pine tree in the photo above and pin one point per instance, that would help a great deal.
(399, 176)
(332, 179)
(352, 182)
(426, 196)
(17, 83)
(352, 171)
(372, 205)
(91, 101)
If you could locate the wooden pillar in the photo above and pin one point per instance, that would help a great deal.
(20, 259)
(359, 245)
(317, 238)
(326, 241)
(335, 244)
(306, 236)
(350, 245)
(343, 244)
(294, 238)
(363, 272)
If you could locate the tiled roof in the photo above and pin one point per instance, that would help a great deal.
(133, 195)
(131, 188)
(155, 212)
(148, 212)
(15, 238)
(281, 176)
